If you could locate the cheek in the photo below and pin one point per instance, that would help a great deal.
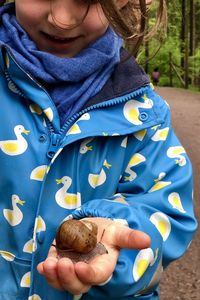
(28, 17)
(96, 23)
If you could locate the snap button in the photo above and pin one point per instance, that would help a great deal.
(40, 237)
(143, 116)
(42, 138)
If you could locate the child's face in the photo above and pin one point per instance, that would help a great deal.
(36, 19)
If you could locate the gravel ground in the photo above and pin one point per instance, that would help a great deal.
(181, 280)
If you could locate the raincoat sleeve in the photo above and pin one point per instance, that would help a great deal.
(155, 196)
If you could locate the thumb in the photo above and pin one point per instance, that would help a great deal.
(125, 237)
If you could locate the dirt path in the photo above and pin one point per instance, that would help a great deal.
(181, 281)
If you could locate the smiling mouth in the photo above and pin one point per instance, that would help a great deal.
(58, 39)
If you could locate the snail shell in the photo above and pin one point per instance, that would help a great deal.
(76, 235)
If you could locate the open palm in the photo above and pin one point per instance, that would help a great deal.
(78, 278)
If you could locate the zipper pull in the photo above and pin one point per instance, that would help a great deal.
(55, 142)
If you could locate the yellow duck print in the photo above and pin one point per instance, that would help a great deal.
(34, 108)
(26, 280)
(144, 259)
(148, 103)
(49, 113)
(75, 129)
(120, 198)
(160, 135)
(159, 183)
(175, 201)
(65, 199)
(39, 173)
(34, 297)
(131, 109)
(7, 255)
(18, 146)
(29, 246)
(140, 134)
(135, 160)
(98, 179)
(176, 152)
(14, 216)
(162, 223)
(124, 142)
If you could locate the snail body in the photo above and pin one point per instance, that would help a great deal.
(77, 235)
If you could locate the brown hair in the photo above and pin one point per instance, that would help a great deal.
(130, 22)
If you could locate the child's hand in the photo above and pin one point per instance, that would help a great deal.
(78, 278)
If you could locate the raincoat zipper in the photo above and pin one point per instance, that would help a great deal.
(56, 138)
(104, 104)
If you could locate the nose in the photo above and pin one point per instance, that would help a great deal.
(66, 14)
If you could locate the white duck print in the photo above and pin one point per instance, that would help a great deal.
(14, 216)
(175, 152)
(162, 223)
(143, 260)
(18, 146)
(7, 255)
(96, 180)
(160, 135)
(135, 160)
(65, 199)
(29, 246)
(49, 113)
(140, 134)
(39, 226)
(175, 201)
(34, 297)
(26, 280)
(159, 183)
(131, 109)
(84, 148)
(124, 142)
(75, 129)
(34, 108)
(148, 103)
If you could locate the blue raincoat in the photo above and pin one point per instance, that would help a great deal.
(118, 158)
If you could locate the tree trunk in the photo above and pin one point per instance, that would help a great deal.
(146, 57)
(192, 28)
(186, 56)
(183, 29)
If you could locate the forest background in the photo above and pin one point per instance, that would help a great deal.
(178, 58)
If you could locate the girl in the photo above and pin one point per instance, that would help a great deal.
(83, 135)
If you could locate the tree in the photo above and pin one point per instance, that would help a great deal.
(181, 47)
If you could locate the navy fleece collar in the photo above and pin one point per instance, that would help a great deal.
(127, 77)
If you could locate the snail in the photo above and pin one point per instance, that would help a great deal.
(77, 239)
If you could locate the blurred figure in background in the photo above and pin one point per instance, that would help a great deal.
(155, 76)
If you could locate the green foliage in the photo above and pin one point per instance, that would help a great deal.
(174, 45)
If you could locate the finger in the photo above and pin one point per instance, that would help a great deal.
(49, 267)
(53, 254)
(40, 268)
(99, 269)
(125, 237)
(68, 278)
